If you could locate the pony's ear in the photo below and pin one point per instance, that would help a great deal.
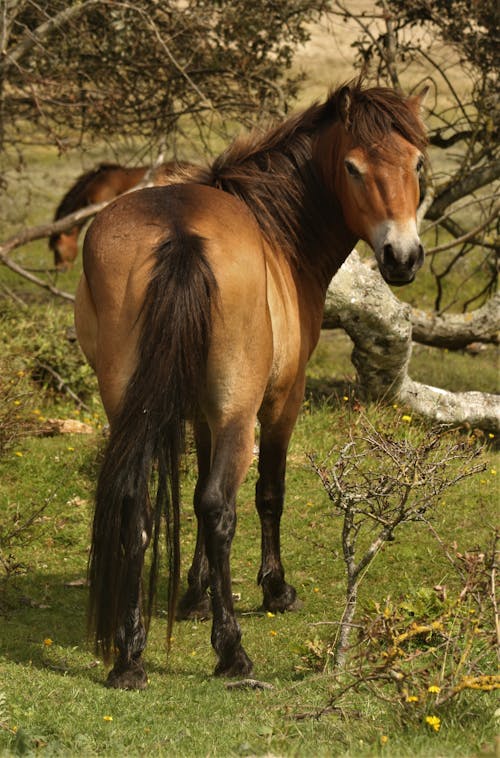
(416, 102)
(344, 106)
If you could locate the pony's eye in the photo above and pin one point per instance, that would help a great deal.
(420, 164)
(352, 170)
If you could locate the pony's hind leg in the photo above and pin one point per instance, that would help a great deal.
(216, 510)
(195, 603)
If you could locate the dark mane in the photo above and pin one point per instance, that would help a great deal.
(75, 197)
(273, 172)
(374, 113)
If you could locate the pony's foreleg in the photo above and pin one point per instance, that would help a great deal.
(195, 603)
(269, 500)
(130, 640)
(216, 509)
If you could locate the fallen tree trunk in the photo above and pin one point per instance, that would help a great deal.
(381, 328)
(457, 330)
(453, 331)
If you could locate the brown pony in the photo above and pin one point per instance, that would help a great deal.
(105, 182)
(203, 301)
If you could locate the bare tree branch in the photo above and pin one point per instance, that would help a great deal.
(466, 236)
(31, 39)
(34, 279)
(456, 189)
(457, 330)
(45, 230)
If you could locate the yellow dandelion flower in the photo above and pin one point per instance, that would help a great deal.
(273, 633)
(384, 739)
(71, 449)
(18, 453)
(270, 615)
(434, 688)
(309, 503)
(434, 722)
(345, 398)
(406, 418)
(17, 402)
(491, 436)
(412, 699)
(316, 589)
(493, 472)
(107, 718)
(47, 642)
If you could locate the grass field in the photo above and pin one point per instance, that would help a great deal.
(52, 698)
(51, 683)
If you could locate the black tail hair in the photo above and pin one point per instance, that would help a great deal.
(149, 433)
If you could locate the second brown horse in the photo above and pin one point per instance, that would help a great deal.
(105, 182)
(202, 302)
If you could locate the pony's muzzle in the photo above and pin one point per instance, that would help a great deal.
(400, 267)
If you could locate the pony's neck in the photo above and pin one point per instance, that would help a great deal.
(336, 240)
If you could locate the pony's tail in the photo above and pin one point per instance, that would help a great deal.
(148, 435)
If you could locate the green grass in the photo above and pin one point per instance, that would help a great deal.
(54, 694)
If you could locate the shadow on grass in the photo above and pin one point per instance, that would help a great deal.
(331, 392)
(44, 627)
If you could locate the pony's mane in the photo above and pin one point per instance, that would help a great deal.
(273, 172)
(74, 197)
(374, 113)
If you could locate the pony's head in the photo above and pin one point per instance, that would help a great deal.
(64, 245)
(380, 157)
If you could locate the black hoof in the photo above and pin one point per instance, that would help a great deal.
(239, 665)
(194, 608)
(127, 676)
(286, 600)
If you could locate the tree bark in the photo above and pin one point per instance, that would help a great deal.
(380, 326)
(457, 330)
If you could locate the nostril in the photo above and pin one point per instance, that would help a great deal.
(417, 257)
(389, 257)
